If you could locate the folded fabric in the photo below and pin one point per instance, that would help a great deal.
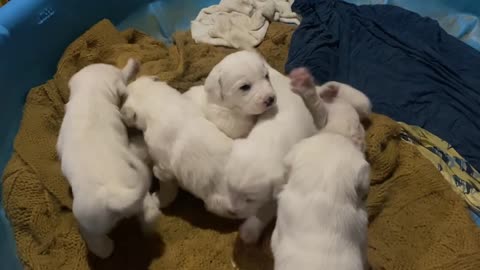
(460, 19)
(454, 168)
(239, 23)
(412, 70)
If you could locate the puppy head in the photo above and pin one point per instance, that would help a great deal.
(241, 82)
(219, 204)
(133, 102)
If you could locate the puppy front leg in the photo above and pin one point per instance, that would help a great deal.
(168, 185)
(302, 84)
(151, 212)
(251, 230)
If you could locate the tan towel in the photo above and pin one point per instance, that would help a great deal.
(417, 221)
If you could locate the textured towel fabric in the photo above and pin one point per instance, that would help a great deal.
(36, 197)
(412, 70)
(240, 23)
(417, 220)
(463, 177)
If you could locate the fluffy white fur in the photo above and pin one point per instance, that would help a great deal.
(236, 91)
(321, 219)
(151, 203)
(255, 168)
(255, 171)
(185, 147)
(340, 104)
(109, 180)
(328, 179)
(360, 102)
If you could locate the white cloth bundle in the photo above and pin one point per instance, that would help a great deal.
(240, 23)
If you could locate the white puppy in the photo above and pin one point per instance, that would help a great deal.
(344, 105)
(109, 181)
(255, 168)
(182, 143)
(322, 219)
(236, 91)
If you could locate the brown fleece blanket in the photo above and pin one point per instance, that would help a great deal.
(416, 220)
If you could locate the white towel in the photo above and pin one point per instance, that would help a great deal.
(240, 23)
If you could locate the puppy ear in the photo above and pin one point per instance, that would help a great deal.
(213, 86)
(129, 116)
(131, 69)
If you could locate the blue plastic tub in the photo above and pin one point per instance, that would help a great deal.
(34, 34)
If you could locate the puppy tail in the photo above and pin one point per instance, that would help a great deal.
(131, 69)
(121, 198)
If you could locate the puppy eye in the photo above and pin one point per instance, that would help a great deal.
(245, 87)
(267, 76)
(249, 200)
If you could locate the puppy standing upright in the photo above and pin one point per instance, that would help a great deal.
(322, 219)
(109, 181)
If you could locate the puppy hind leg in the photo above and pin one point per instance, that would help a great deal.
(251, 230)
(95, 222)
(168, 185)
(99, 244)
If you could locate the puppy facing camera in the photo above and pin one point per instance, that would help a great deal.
(238, 89)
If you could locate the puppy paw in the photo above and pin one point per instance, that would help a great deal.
(330, 93)
(251, 230)
(151, 212)
(101, 247)
(301, 81)
(151, 206)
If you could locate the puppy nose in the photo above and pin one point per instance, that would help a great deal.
(269, 101)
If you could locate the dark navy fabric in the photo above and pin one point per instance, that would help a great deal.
(412, 70)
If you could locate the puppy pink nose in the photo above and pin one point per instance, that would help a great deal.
(269, 101)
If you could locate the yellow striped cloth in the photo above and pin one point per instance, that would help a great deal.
(455, 169)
